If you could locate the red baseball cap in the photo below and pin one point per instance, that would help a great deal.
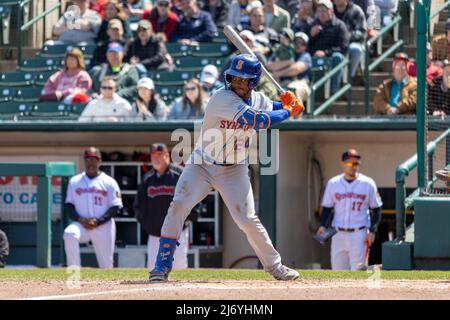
(92, 152)
(158, 147)
(350, 153)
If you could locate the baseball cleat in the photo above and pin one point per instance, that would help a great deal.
(158, 276)
(284, 273)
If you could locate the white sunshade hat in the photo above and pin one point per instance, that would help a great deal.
(146, 83)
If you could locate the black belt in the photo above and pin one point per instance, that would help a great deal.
(350, 229)
(224, 164)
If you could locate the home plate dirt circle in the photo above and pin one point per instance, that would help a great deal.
(228, 290)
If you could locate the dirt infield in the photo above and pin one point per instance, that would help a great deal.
(229, 289)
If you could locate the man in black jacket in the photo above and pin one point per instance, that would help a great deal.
(355, 21)
(153, 199)
(147, 52)
(328, 38)
(4, 249)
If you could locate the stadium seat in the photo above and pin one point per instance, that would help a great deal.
(27, 94)
(197, 63)
(210, 50)
(220, 37)
(6, 94)
(174, 91)
(40, 78)
(40, 64)
(174, 78)
(55, 51)
(77, 109)
(49, 110)
(13, 110)
(178, 50)
(16, 79)
(88, 50)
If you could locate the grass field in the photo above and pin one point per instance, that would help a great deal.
(219, 284)
(89, 274)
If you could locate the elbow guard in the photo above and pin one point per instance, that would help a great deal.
(255, 119)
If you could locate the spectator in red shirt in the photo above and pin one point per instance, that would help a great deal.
(163, 19)
(99, 6)
(434, 69)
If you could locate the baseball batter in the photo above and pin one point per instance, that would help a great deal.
(232, 114)
(351, 194)
(93, 199)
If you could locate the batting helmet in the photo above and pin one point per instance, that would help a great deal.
(244, 66)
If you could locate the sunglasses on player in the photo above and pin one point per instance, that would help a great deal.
(352, 164)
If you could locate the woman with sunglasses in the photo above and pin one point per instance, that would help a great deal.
(357, 214)
(148, 105)
(108, 106)
(191, 105)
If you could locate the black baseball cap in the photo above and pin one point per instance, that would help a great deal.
(158, 147)
(92, 152)
(350, 153)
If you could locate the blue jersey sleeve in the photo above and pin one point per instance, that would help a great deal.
(262, 119)
(277, 105)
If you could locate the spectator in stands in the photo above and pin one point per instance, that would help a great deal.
(290, 6)
(147, 52)
(125, 75)
(4, 249)
(108, 106)
(438, 96)
(355, 21)
(163, 19)
(218, 9)
(115, 34)
(194, 25)
(388, 9)
(72, 30)
(113, 10)
(264, 36)
(70, 84)
(297, 74)
(148, 104)
(441, 44)
(191, 105)
(238, 13)
(284, 50)
(434, 68)
(397, 95)
(328, 38)
(209, 79)
(257, 48)
(304, 16)
(98, 6)
(276, 17)
(444, 175)
(135, 10)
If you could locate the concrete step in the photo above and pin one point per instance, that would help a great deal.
(410, 49)
(10, 53)
(439, 28)
(358, 93)
(8, 65)
(444, 15)
(340, 108)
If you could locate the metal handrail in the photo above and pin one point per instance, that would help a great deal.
(438, 10)
(26, 26)
(322, 81)
(401, 202)
(368, 67)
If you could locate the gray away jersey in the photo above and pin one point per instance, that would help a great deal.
(222, 139)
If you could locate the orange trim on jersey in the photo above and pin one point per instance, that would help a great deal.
(173, 238)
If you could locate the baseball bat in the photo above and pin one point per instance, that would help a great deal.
(234, 37)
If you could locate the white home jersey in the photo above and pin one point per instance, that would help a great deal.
(351, 201)
(93, 197)
(222, 139)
